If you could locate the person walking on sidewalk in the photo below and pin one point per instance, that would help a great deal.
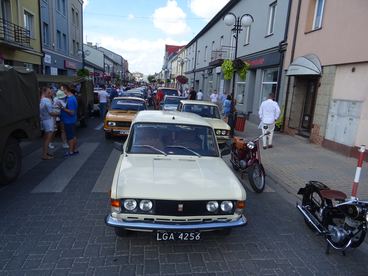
(269, 112)
(68, 116)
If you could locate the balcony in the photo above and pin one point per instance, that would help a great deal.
(14, 35)
(219, 55)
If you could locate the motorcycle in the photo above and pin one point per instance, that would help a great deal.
(341, 221)
(246, 158)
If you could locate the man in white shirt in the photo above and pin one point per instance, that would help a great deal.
(103, 97)
(214, 97)
(269, 112)
(200, 95)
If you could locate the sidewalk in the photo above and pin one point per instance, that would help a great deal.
(293, 161)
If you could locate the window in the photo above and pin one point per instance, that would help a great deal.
(58, 39)
(205, 54)
(318, 14)
(64, 42)
(28, 23)
(247, 35)
(74, 51)
(271, 18)
(77, 19)
(198, 56)
(45, 32)
(269, 82)
(221, 41)
(77, 49)
(73, 16)
(61, 6)
(240, 92)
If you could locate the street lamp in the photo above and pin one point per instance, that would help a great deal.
(237, 22)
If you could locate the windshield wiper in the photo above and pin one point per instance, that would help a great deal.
(183, 147)
(151, 147)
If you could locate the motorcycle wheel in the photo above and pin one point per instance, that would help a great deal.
(314, 202)
(257, 178)
(358, 239)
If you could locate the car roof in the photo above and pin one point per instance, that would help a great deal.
(129, 98)
(167, 88)
(170, 117)
(197, 102)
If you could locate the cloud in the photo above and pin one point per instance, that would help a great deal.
(203, 9)
(85, 3)
(131, 16)
(171, 19)
(143, 55)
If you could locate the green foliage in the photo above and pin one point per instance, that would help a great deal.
(168, 80)
(243, 71)
(280, 120)
(228, 69)
(83, 72)
(151, 78)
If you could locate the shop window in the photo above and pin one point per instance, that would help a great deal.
(271, 18)
(240, 92)
(269, 83)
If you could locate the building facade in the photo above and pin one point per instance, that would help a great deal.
(62, 36)
(114, 65)
(94, 62)
(327, 68)
(20, 38)
(262, 45)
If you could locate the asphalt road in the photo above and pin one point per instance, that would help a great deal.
(52, 223)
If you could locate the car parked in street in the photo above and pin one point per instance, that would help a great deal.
(171, 179)
(171, 103)
(120, 115)
(210, 112)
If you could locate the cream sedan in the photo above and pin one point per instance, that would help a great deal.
(210, 112)
(171, 179)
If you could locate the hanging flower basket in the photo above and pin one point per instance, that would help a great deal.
(182, 79)
(228, 69)
(243, 70)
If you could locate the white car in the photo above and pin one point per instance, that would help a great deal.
(171, 103)
(210, 112)
(171, 179)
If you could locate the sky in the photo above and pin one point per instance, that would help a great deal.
(139, 29)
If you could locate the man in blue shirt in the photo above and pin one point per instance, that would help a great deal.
(68, 116)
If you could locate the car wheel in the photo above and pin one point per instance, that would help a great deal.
(11, 161)
(120, 232)
(107, 135)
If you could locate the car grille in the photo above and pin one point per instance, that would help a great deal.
(123, 124)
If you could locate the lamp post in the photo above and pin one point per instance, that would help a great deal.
(237, 22)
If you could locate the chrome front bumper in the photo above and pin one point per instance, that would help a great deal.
(114, 222)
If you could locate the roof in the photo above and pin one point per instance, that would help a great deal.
(198, 102)
(170, 117)
(129, 98)
(171, 49)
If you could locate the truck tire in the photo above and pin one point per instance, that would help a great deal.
(11, 163)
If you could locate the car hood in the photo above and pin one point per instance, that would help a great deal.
(217, 123)
(120, 114)
(176, 178)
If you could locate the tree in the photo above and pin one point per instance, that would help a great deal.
(83, 72)
(151, 78)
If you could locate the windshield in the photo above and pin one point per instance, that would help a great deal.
(127, 105)
(208, 111)
(170, 92)
(172, 139)
(171, 100)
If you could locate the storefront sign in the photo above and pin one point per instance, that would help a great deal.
(47, 59)
(70, 65)
(218, 70)
(53, 71)
(264, 60)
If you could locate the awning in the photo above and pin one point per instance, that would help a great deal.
(59, 79)
(305, 65)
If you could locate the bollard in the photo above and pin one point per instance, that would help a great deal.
(357, 172)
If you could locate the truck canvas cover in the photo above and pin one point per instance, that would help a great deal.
(19, 95)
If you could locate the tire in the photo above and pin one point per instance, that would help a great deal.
(358, 241)
(257, 178)
(313, 207)
(11, 163)
(107, 136)
(235, 167)
(120, 232)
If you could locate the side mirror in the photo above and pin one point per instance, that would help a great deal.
(119, 146)
(225, 151)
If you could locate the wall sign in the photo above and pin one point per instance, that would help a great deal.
(47, 59)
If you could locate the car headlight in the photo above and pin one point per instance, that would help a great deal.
(145, 205)
(130, 204)
(223, 132)
(226, 206)
(111, 123)
(250, 145)
(212, 206)
(218, 131)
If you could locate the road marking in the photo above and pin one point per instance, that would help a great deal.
(59, 178)
(103, 183)
(99, 126)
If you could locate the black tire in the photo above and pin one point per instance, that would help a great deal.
(107, 136)
(11, 163)
(235, 167)
(120, 232)
(310, 199)
(257, 178)
(359, 239)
